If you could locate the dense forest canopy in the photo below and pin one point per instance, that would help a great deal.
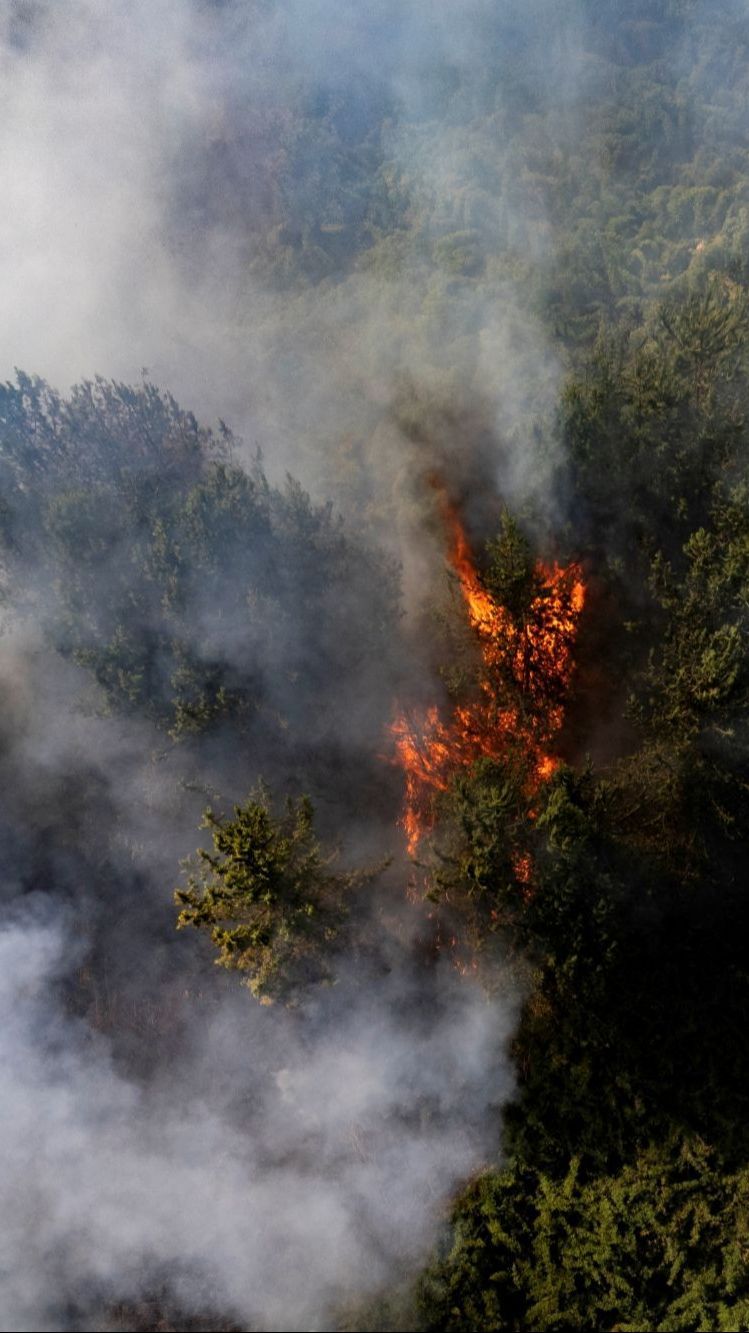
(444, 637)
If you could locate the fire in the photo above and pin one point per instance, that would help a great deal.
(533, 657)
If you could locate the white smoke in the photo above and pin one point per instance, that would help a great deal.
(267, 1186)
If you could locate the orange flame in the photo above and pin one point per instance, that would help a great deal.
(535, 656)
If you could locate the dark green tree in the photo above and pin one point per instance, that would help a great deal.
(660, 1245)
(268, 896)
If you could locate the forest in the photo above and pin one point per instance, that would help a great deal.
(375, 747)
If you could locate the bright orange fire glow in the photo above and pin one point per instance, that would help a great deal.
(534, 657)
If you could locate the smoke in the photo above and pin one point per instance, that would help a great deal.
(163, 1134)
(156, 181)
(356, 292)
(277, 1170)
(157, 188)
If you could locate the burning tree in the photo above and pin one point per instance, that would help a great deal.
(524, 616)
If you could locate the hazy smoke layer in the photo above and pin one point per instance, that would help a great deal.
(152, 169)
(265, 1185)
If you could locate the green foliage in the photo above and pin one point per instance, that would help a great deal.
(510, 573)
(193, 593)
(696, 679)
(660, 1245)
(656, 426)
(481, 833)
(624, 1201)
(268, 896)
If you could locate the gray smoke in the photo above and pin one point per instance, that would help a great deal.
(271, 1175)
(146, 148)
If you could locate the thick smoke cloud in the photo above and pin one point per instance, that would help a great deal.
(163, 1134)
(270, 1194)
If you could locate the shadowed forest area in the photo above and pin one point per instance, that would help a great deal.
(413, 692)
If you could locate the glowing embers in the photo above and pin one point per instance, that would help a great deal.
(527, 663)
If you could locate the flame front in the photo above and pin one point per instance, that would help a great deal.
(535, 657)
